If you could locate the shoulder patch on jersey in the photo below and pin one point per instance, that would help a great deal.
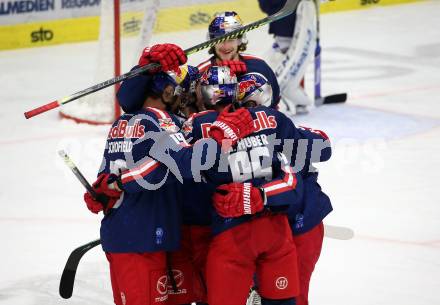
(164, 119)
(168, 125)
(188, 125)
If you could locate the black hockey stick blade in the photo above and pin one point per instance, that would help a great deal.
(331, 99)
(68, 277)
(287, 9)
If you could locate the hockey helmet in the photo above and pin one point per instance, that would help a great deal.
(218, 86)
(161, 80)
(187, 77)
(224, 23)
(254, 87)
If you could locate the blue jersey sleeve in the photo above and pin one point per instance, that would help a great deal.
(303, 146)
(161, 157)
(284, 190)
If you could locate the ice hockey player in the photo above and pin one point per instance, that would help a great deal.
(197, 197)
(292, 51)
(219, 90)
(239, 242)
(230, 52)
(306, 223)
(141, 224)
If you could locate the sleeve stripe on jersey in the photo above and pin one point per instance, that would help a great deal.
(287, 183)
(159, 113)
(139, 172)
(204, 65)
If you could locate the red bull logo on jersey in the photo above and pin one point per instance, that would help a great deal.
(263, 121)
(168, 125)
(187, 127)
(123, 130)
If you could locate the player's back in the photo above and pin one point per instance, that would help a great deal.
(254, 158)
(143, 219)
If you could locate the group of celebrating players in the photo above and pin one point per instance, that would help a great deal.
(209, 189)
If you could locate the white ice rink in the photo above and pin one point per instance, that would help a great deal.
(383, 178)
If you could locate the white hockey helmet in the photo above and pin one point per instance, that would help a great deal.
(224, 23)
(254, 87)
(218, 86)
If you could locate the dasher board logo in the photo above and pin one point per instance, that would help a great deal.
(41, 35)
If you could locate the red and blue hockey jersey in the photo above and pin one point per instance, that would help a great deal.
(147, 217)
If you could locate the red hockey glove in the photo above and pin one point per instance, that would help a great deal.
(236, 66)
(107, 195)
(169, 56)
(237, 199)
(232, 126)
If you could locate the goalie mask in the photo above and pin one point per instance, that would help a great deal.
(253, 89)
(218, 86)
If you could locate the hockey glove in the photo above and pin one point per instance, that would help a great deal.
(107, 194)
(169, 56)
(237, 67)
(237, 199)
(232, 126)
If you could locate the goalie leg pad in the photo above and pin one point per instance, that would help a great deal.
(291, 67)
(303, 45)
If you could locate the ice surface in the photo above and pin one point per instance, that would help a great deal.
(383, 178)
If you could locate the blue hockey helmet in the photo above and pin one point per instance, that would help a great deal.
(254, 87)
(218, 86)
(161, 80)
(187, 77)
(223, 23)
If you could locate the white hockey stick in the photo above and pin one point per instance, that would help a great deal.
(335, 232)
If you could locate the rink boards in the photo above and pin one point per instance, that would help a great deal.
(33, 23)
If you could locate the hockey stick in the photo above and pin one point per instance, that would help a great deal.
(336, 232)
(330, 99)
(68, 277)
(287, 9)
(82, 179)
